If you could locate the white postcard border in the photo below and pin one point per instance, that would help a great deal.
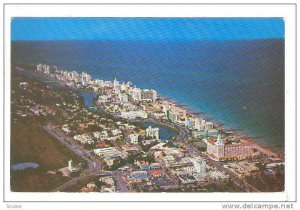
(286, 11)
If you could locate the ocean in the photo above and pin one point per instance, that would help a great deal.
(236, 83)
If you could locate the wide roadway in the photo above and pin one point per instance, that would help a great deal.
(94, 167)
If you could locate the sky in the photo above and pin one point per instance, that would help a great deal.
(146, 29)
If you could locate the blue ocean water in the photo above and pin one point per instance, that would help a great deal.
(238, 83)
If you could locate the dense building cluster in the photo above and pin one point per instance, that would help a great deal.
(147, 162)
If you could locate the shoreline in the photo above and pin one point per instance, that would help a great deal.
(234, 131)
(190, 111)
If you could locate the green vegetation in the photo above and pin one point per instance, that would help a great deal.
(30, 143)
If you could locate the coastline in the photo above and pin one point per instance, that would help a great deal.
(190, 111)
(236, 132)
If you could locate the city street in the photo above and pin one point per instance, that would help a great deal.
(94, 167)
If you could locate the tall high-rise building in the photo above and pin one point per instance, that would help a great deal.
(176, 114)
(117, 86)
(148, 95)
(220, 147)
(152, 132)
(135, 93)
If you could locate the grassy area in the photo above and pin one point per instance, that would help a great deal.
(30, 143)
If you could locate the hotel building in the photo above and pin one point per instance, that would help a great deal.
(148, 95)
(218, 150)
(152, 132)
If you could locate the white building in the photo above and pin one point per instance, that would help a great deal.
(134, 114)
(74, 75)
(123, 97)
(84, 139)
(199, 124)
(152, 132)
(116, 132)
(103, 135)
(169, 159)
(125, 87)
(97, 134)
(99, 82)
(148, 95)
(66, 129)
(217, 148)
(117, 87)
(136, 94)
(107, 180)
(109, 184)
(134, 138)
(218, 175)
(85, 78)
(23, 85)
(91, 185)
(107, 152)
(200, 166)
(71, 166)
(103, 99)
(188, 169)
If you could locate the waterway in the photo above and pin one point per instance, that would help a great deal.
(165, 132)
(88, 97)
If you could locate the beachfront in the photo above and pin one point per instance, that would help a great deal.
(120, 98)
(118, 132)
